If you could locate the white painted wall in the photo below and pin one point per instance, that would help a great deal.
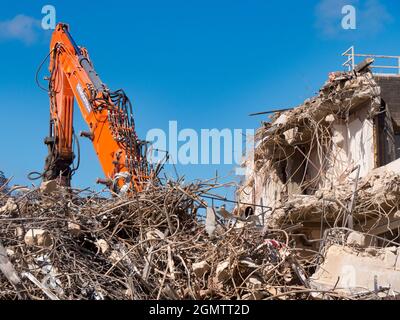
(352, 145)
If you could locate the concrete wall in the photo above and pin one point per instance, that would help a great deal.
(352, 145)
(360, 141)
(353, 271)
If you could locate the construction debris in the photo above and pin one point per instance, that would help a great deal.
(9, 208)
(311, 222)
(329, 168)
(154, 245)
(201, 268)
(329, 162)
(48, 187)
(150, 246)
(38, 237)
(356, 239)
(7, 268)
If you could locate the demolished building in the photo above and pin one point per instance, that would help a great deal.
(307, 160)
(323, 182)
(333, 163)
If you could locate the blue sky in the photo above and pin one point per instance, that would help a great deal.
(206, 64)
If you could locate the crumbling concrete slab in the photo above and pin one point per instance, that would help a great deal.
(48, 187)
(356, 239)
(352, 271)
(38, 237)
(307, 160)
(9, 207)
(201, 268)
(102, 245)
(74, 228)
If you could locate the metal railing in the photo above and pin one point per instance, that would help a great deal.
(352, 61)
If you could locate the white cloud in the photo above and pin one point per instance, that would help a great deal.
(21, 27)
(372, 18)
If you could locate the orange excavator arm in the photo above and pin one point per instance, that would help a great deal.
(108, 114)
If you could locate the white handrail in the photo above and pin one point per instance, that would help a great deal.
(350, 63)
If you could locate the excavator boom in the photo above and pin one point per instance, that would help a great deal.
(108, 115)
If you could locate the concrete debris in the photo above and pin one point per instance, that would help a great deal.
(9, 208)
(356, 272)
(316, 219)
(390, 259)
(330, 118)
(201, 268)
(19, 232)
(102, 245)
(74, 228)
(38, 237)
(305, 163)
(356, 239)
(10, 252)
(48, 187)
(254, 282)
(142, 249)
(222, 272)
(211, 224)
(330, 168)
(115, 257)
(7, 268)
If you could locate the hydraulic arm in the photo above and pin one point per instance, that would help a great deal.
(108, 115)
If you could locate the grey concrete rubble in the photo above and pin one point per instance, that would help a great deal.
(333, 163)
(307, 160)
(48, 187)
(201, 268)
(9, 207)
(38, 237)
(317, 217)
(352, 270)
(70, 246)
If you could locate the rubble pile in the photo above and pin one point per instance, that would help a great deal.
(338, 96)
(356, 266)
(305, 159)
(378, 196)
(307, 223)
(330, 168)
(310, 123)
(70, 244)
